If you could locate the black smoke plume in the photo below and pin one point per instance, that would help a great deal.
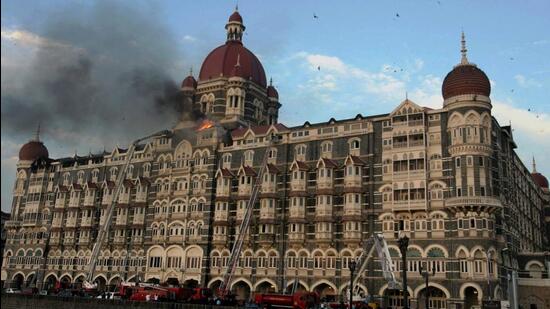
(108, 76)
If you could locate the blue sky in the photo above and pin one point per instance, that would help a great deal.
(369, 58)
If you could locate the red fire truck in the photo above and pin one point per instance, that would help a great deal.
(298, 300)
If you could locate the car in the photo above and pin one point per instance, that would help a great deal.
(109, 295)
(12, 291)
(65, 293)
(29, 291)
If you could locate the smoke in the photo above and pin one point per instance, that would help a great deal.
(101, 72)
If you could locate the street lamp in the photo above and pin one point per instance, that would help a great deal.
(426, 275)
(352, 265)
(403, 245)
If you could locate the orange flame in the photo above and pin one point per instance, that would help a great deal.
(205, 125)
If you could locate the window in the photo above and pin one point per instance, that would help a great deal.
(480, 161)
(354, 144)
(457, 162)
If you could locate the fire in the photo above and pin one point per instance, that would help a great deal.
(205, 125)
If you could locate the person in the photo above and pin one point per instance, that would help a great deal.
(147, 297)
(156, 297)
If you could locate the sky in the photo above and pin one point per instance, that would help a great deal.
(95, 73)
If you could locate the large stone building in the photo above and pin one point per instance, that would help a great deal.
(448, 178)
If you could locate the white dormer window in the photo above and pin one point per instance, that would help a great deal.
(66, 179)
(249, 157)
(300, 151)
(226, 160)
(113, 173)
(80, 177)
(354, 146)
(146, 170)
(130, 172)
(95, 175)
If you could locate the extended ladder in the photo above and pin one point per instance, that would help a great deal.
(245, 224)
(104, 229)
(379, 244)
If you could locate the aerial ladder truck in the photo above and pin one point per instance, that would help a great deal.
(224, 289)
(378, 243)
(104, 229)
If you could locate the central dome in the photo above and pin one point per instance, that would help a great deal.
(222, 60)
(466, 79)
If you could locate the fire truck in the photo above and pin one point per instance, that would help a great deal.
(298, 300)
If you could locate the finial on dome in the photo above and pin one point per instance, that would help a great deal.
(463, 50)
(406, 95)
(534, 165)
(237, 7)
(191, 71)
(37, 134)
(271, 81)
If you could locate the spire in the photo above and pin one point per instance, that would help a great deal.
(271, 81)
(534, 165)
(37, 134)
(463, 50)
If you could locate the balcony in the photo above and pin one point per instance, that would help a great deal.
(86, 221)
(464, 201)
(220, 238)
(407, 205)
(297, 212)
(298, 185)
(296, 236)
(59, 203)
(138, 219)
(352, 209)
(71, 222)
(269, 187)
(267, 213)
(245, 189)
(141, 197)
(352, 181)
(74, 202)
(323, 236)
(222, 190)
(323, 211)
(220, 215)
(324, 183)
(352, 235)
(88, 201)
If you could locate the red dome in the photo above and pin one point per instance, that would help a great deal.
(189, 82)
(33, 150)
(465, 79)
(222, 60)
(236, 17)
(540, 180)
(272, 92)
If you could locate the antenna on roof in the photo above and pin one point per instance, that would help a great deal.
(463, 50)
(37, 134)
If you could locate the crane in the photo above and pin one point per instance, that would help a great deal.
(379, 244)
(104, 229)
(245, 223)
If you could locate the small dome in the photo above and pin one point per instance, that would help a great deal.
(189, 82)
(272, 92)
(465, 79)
(33, 150)
(540, 180)
(236, 17)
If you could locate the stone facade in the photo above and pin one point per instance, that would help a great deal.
(448, 178)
